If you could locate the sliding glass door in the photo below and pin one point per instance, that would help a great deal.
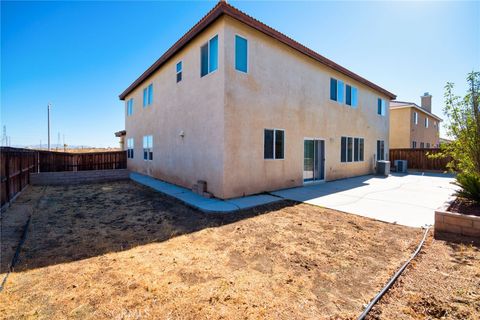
(313, 160)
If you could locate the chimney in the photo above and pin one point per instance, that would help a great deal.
(427, 101)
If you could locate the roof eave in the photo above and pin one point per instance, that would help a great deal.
(224, 8)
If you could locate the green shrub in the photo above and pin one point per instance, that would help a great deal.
(470, 186)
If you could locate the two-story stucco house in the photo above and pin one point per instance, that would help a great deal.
(245, 108)
(413, 126)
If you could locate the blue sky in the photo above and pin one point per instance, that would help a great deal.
(81, 55)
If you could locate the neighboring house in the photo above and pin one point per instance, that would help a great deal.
(243, 107)
(121, 134)
(413, 126)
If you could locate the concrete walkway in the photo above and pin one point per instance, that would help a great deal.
(408, 200)
(204, 204)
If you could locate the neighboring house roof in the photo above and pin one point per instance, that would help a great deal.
(222, 8)
(403, 104)
(120, 133)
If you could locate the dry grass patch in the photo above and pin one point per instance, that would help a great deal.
(123, 251)
(442, 283)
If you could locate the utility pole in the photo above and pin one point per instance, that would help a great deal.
(48, 119)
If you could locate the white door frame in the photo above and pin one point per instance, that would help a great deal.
(324, 164)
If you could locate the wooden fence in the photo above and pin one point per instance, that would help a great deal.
(16, 165)
(419, 159)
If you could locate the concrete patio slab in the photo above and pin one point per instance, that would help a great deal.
(408, 200)
(207, 205)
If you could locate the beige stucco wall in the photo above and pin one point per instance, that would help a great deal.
(421, 134)
(224, 115)
(403, 131)
(195, 106)
(287, 90)
(400, 123)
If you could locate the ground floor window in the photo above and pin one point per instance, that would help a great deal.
(147, 147)
(273, 144)
(352, 149)
(414, 144)
(130, 148)
(422, 145)
(380, 150)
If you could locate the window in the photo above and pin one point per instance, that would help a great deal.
(351, 149)
(130, 107)
(337, 88)
(428, 145)
(179, 71)
(380, 150)
(130, 148)
(333, 89)
(415, 117)
(381, 107)
(209, 57)
(147, 147)
(414, 144)
(434, 124)
(148, 95)
(274, 144)
(351, 98)
(241, 54)
(340, 89)
(422, 145)
(426, 122)
(361, 149)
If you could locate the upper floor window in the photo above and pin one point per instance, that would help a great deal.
(414, 144)
(351, 96)
(209, 56)
(426, 122)
(130, 148)
(147, 147)
(336, 90)
(148, 95)
(130, 107)
(434, 124)
(415, 117)
(179, 71)
(380, 150)
(273, 144)
(241, 54)
(381, 107)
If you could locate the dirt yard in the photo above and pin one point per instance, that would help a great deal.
(123, 251)
(443, 283)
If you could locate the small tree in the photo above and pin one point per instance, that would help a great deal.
(463, 125)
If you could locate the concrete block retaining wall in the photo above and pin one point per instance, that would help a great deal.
(77, 177)
(450, 222)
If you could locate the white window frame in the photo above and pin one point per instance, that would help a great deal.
(146, 102)
(148, 148)
(415, 117)
(177, 72)
(235, 53)
(274, 142)
(426, 122)
(130, 146)
(130, 107)
(208, 56)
